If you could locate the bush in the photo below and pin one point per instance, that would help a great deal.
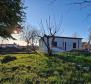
(28, 81)
(8, 59)
(80, 52)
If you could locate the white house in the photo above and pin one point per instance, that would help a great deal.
(61, 44)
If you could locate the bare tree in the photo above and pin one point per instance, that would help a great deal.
(83, 3)
(52, 2)
(86, 4)
(89, 39)
(48, 33)
(30, 36)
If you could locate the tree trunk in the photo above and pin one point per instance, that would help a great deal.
(49, 51)
(47, 44)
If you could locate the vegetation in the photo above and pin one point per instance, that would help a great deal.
(11, 15)
(64, 68)
(45, 36)
(30, 36)
(8, 59)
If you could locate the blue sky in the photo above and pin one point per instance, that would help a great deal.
(74, 19)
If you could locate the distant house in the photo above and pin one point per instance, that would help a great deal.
(86, 46)
(61, 44)
(9, 45)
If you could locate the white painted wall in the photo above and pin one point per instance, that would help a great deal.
(61, 44)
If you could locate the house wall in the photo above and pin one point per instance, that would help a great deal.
(61, 44)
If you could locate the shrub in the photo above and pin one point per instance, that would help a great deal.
(28, 81)
(8, 59)
(14, 68)
(80, 52)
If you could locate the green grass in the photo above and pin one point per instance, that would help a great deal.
(76, 58)
(42, 69)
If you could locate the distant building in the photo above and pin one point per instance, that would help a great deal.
(21, 47)
(86, 46)
(61, 44)
(9, 45)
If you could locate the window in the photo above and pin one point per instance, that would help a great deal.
(74, 45)
(54, 44)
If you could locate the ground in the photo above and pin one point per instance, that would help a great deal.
(64, 68)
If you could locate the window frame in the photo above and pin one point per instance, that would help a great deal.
(54, 44)
(74, 45)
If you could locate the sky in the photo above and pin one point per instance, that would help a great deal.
(72, 17)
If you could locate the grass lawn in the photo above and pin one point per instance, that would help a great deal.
(64, 68)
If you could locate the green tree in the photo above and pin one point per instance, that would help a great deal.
(11, 15)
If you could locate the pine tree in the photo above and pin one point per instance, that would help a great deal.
(11, 15)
